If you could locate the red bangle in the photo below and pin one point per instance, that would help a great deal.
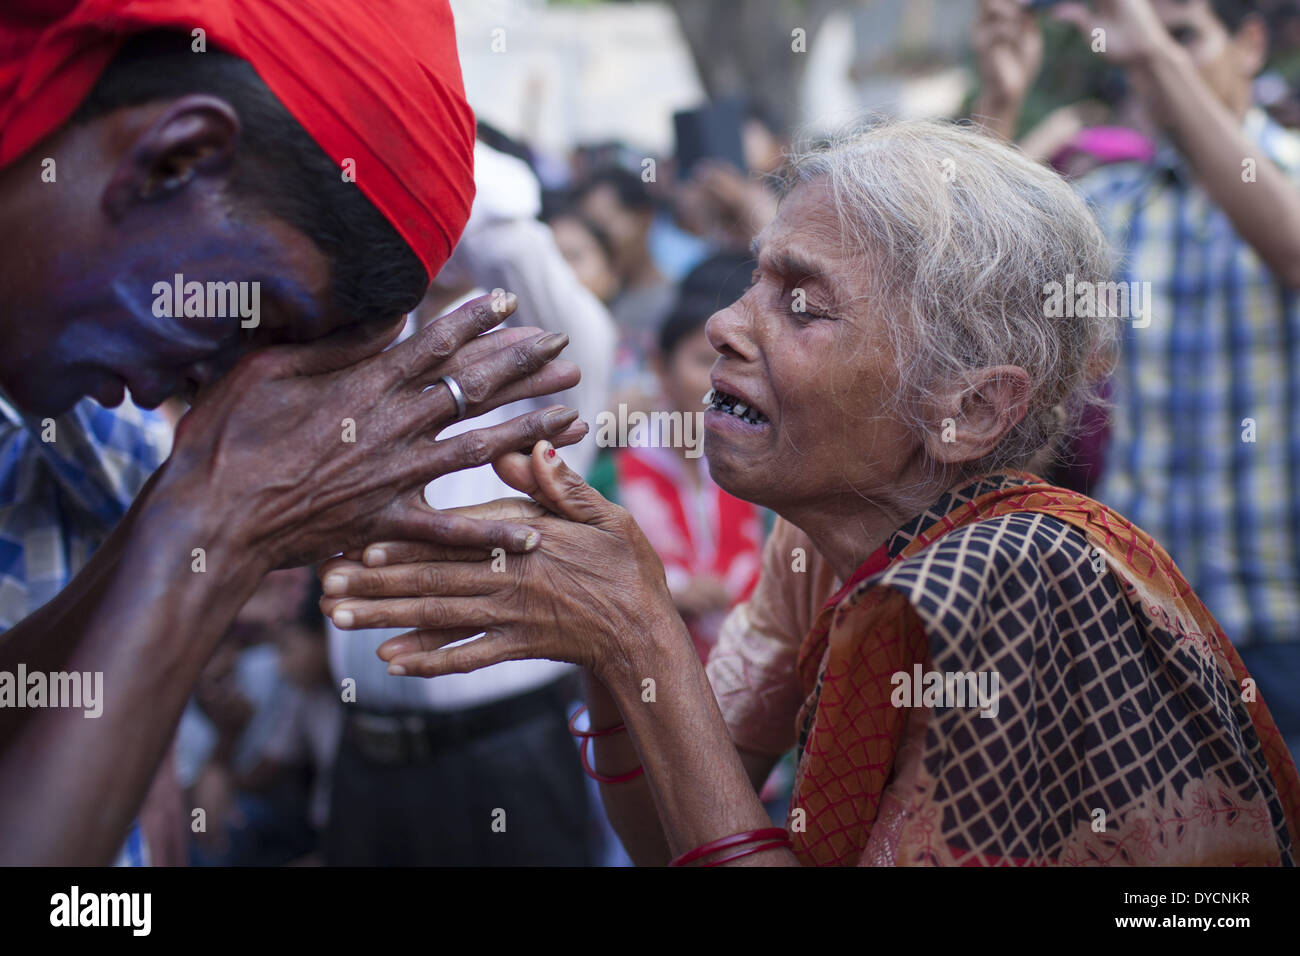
(600, 777)
(585, 734)
(736, 839)
(774, 845)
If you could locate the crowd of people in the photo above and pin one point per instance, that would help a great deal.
(910, 461)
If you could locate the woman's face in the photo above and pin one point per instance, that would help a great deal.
(819, 377)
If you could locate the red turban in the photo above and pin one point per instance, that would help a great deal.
(375, 81)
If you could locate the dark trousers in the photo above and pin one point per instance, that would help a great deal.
(497, 785)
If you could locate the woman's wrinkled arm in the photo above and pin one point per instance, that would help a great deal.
(695, 775)
(630, 805)
(593, 593)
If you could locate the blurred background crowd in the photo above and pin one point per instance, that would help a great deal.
(628, 154)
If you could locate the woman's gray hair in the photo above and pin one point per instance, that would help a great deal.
(961, 236)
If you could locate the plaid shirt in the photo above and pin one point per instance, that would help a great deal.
(1218, 366)
(59, 499)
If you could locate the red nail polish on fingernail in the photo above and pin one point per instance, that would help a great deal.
(550, 453)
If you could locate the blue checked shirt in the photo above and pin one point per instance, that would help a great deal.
(60, 498)
(1218, 366)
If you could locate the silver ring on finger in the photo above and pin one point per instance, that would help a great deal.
(457, 395)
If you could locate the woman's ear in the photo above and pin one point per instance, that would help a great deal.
(980, 416)
(196, 135)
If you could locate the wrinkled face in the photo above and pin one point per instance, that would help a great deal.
(1226, 63)
(814, 383)
(83, 281)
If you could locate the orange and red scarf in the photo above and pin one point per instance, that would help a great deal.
(1126, 732)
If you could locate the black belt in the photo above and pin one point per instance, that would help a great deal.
(404, 737)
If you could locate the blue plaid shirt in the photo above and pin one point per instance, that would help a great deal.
(1205, 451)
(64, 484)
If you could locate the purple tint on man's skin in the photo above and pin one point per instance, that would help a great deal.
(79, 282)
(288, 297)
(114, 335)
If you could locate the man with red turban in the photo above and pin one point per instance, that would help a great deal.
(192, 194)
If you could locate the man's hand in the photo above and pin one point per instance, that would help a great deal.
(1205, 122)
(1131, 31)
(1008, 49)
(586, 595)
(592, 593)
(1008, 54)
(299, 452)
(721, 203)
(307, 450)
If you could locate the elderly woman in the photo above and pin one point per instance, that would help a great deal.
(976, 667)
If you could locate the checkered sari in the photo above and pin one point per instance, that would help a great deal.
(1126, 732)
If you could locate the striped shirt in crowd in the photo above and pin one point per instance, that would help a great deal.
(64, 484)
(1205, 451)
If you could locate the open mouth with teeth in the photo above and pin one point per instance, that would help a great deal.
(731, 405)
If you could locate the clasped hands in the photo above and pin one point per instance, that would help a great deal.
(591, 592)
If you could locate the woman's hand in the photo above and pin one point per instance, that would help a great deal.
(591, 593)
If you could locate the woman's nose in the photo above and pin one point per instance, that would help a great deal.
(728, 332)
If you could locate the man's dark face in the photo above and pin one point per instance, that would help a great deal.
(140, 195)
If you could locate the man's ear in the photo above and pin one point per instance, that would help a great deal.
(196, 135)
(995, 401)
